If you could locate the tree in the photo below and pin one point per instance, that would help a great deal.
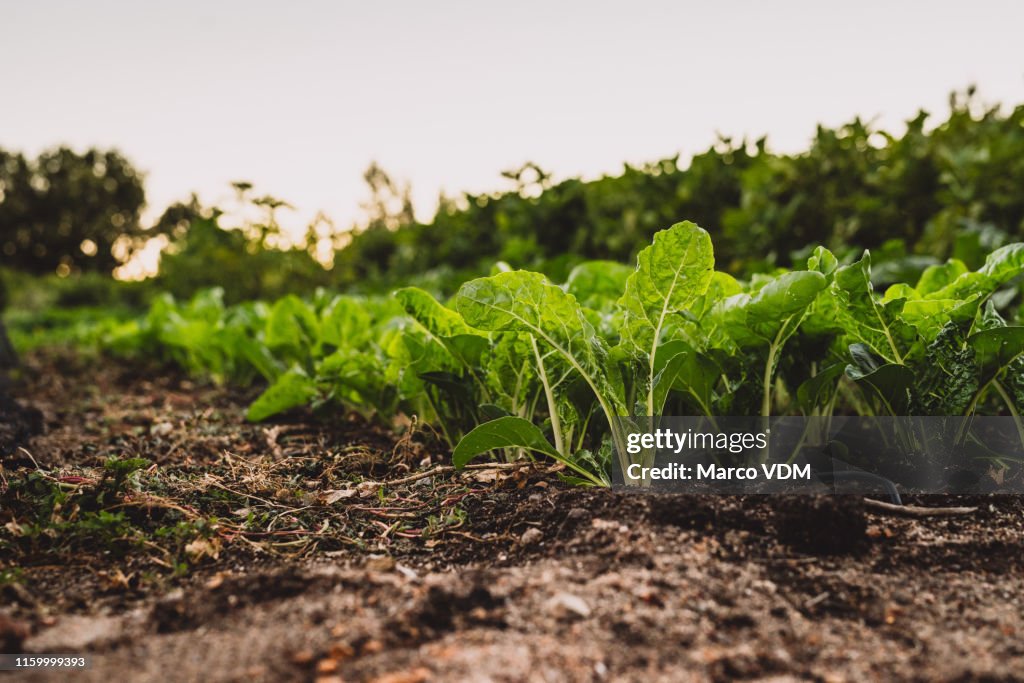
(66, 211)
(250, 261)
(390, 203)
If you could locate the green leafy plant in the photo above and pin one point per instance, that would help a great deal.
(519, 365)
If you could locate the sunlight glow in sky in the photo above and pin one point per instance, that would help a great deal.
(300, 97)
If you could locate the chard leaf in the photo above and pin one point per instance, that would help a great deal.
(512, 432)
(357, 378)
(1001, 266)
(444, 325)
(721, 286)
(865, 319)
(947, 379)
(292, 325)
(772, 315)
(598, 284)
(930, 316)
(438, 319)
(292, 389)
(505, 432)
(681, 368)
(509, 374)
(817, 391)
(671, 273)
(823, 261)
(990, 317)
(1005, 263)
(522, 301)
(423, 352)
(889, 385)
(935, 278)
(900, 290)
(768, 319)
(997, 349)
(526, 302)
(345, 322)
(787, 295)
(695, 324)
(822, 318)
(257, 355)
(468, 348)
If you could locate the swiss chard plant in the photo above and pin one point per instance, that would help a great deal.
(519, 365)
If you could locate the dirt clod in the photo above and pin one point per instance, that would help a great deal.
(822, 525)
(531, 536)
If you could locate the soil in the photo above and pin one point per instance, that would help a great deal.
(326, 547)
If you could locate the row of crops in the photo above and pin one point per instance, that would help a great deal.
(521, 364)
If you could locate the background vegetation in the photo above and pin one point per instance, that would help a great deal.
(887, 266)
(943, 188)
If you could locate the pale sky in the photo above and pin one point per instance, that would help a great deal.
(299, 97)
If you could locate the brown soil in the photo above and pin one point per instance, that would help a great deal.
(284, 563)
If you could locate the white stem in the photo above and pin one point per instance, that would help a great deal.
(556, 423)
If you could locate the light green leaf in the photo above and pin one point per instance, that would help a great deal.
(671, 273)
(437, 318)
(598, 284)
(444, 325)
(292, 324)
(1001, 266)
(935, 278)
(346, 322)
(930, 316)
(822, 261)
(680, 368)
(293, 388)
(522, 301)
(772, 315)
(526, 302)
(509, 374)
(1004, 263)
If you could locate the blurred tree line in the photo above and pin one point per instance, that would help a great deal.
(938, 189)
(927, 194)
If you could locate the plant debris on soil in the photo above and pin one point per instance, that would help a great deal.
(145, 523)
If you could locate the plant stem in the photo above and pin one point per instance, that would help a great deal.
(440, 419)
(769, 367)
(556, 423)
(1008, 400)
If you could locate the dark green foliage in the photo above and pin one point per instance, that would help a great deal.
(66, 210)
(950, 188)
(202, 254)
(948, 377)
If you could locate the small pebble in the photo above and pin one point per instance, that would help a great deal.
(531, 536)
(567, 606)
